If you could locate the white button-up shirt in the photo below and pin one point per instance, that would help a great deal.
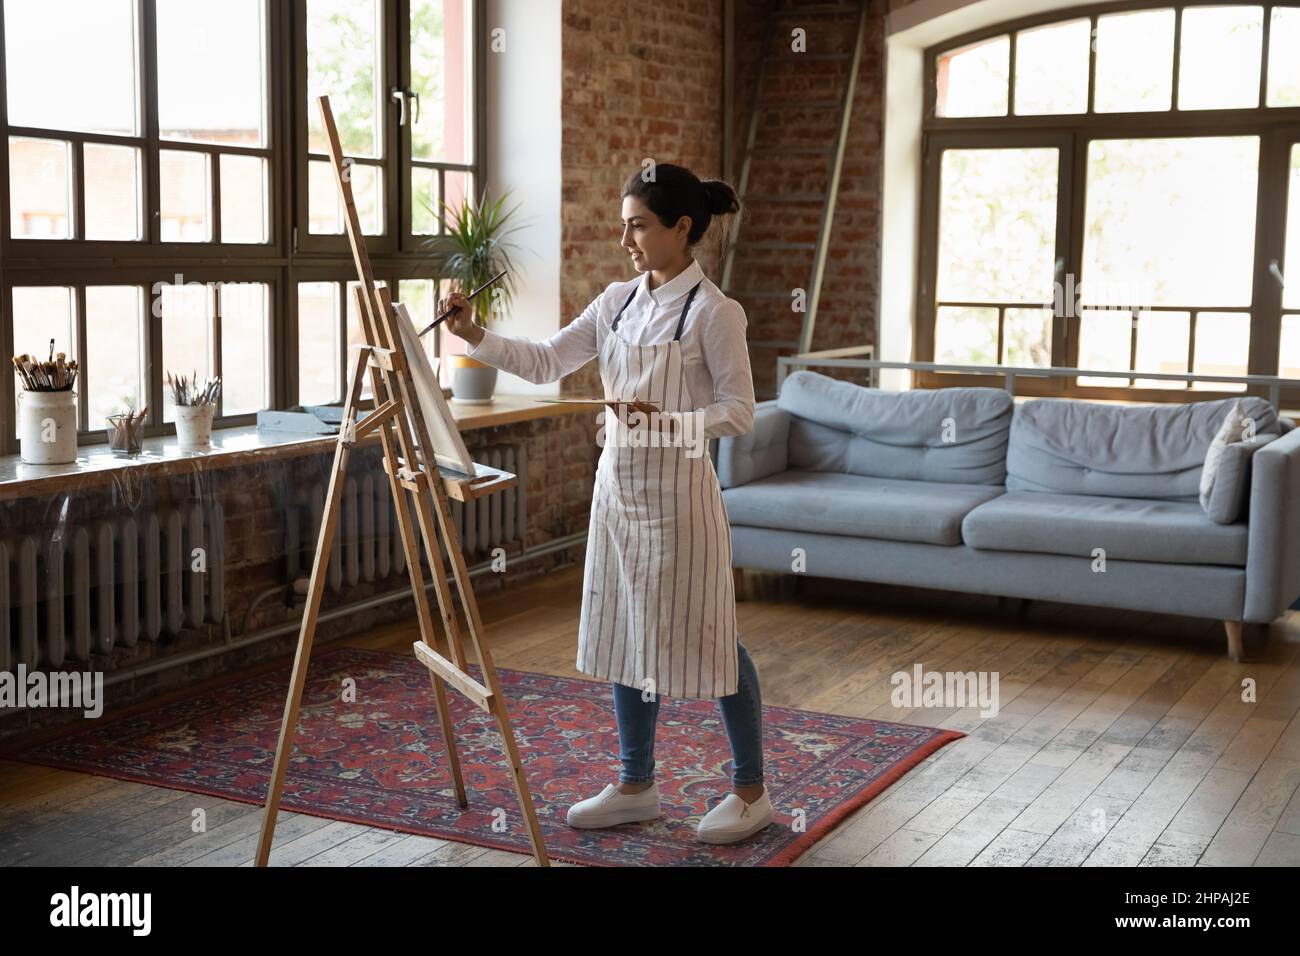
(715, 358)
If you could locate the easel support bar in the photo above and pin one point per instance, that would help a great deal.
(476, 692)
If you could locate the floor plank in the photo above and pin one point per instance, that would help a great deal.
(1118, 739)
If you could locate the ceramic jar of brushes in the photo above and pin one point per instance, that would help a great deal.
(47, 426)
(194, 425)
(195, 403)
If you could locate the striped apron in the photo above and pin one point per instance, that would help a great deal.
(658, 600)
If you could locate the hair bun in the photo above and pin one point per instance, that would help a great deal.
(721, 198)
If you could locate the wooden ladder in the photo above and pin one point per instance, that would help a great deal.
(835, 159)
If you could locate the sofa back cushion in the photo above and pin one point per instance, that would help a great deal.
(1089, 448)
(951, 434)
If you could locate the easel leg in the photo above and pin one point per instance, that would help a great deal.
(306, 634)
(499, 710)
(393, 435)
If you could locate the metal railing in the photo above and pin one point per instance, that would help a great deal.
(846, 358)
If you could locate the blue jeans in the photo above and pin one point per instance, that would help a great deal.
(742, 714)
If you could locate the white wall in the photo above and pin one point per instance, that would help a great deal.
(523, 155)
(908, 32)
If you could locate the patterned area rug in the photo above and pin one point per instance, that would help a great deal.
(379, 759)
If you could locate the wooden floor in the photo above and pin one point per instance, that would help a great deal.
(1122, 739)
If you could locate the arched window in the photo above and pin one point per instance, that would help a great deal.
(1116, 188)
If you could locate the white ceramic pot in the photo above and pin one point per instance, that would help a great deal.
(194, 425)
(47, 426)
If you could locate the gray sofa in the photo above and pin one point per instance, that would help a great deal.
(1054, 499)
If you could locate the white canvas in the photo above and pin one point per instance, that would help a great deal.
(448, 447)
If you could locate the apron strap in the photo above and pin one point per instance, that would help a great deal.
(624, 309)
(686, 308)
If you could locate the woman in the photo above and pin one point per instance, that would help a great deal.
(658, 609)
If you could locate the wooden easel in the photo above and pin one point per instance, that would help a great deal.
(411, 463)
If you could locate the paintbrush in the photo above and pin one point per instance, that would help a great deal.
(470, 297)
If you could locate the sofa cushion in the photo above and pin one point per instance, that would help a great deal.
(1128, 529)
(953, 435)
(1147, 451)
(863, 506)
(1231, 487)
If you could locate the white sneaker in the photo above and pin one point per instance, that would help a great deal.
(733, 819)
(611, 807)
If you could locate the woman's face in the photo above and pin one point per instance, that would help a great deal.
(650, 243)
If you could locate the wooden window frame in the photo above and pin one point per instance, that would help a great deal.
(77, 263)
(1277, 128)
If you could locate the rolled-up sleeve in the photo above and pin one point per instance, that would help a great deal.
(726, 355)
(548, 360)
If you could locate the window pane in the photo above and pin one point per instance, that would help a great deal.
(1162, 347)
(243, 199)
(1284, 57)
(40, 189)
(1104, 341)
(1222, 348)
(318, 343)
(49, 44)
(186, 334)
(1027, 337)
(354, 333)
(460, 186)
(972, 81)
(966, 336)
(1135, 61)
(325, 208)
(1219, 64)
(1170, 221)
(185, 180)
(1001, 202)
(343, 63)
(198, 42)
(418, 297)
(115, 346)
(1052, 68)
(441, 73)
(42, 313)
(324, 211)
(244, 336)
(112, 191)
(368, 194)
(1291, 259)
(424, 201)
(1288, 358)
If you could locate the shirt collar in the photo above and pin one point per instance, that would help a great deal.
(677, 287)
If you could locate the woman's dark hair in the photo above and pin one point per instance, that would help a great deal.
(675, 191)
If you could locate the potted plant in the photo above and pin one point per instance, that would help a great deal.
(476, 233)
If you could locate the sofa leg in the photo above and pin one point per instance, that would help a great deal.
(1234, 629)
(738, 582)
(1018, 607)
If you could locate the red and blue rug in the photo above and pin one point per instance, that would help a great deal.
(376, 757)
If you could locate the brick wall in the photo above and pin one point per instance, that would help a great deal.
(635, 85)
(847, 314)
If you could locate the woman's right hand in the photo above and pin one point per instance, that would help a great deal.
(461, 321)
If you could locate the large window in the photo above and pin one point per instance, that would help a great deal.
(166, 201)
(1111, 188)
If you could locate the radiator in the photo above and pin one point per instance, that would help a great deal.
(89, 588)
(367, 546)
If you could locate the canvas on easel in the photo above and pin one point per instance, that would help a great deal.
(448, 446)
(427, 465)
